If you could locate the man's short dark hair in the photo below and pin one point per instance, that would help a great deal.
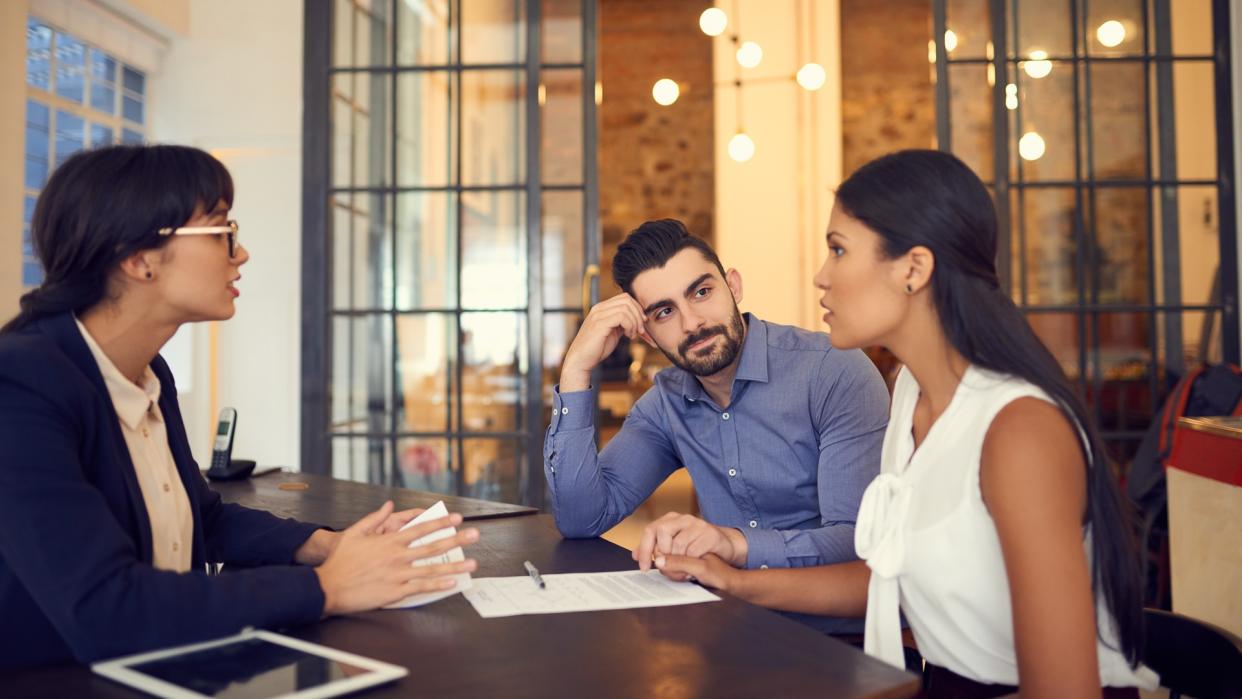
(651, 246)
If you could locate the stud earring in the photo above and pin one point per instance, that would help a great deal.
(149, 275)
(909, 289)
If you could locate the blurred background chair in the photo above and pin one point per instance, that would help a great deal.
(1193, 657)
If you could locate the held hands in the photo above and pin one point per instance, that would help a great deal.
(600, 332)
(372, 566)
(709, 570)
(685, 535)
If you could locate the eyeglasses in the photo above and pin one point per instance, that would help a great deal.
(229, 230)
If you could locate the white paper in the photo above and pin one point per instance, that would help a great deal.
(453, 555)
(581, 592)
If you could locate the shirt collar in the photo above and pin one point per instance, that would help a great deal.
(131, 401)
(753, 365)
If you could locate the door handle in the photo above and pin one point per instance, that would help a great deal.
(591, 272)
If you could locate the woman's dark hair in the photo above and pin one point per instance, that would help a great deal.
(104, 205)
(652, 245)
(932, 199)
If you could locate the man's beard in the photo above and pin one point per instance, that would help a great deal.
(716, 357)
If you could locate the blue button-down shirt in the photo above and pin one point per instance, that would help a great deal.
(786, 462)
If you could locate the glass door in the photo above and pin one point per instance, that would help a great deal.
(450, 217)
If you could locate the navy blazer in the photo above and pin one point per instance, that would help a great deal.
(76, 579)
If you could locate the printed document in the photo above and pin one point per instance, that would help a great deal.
(453, 555)
(581, 592)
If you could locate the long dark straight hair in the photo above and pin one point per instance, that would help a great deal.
(104, 205)
(930, 198)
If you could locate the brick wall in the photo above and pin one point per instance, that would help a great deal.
(654, 162)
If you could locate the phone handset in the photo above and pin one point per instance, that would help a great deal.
(223, 467)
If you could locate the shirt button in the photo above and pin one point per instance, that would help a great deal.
(733, 472)
(725, 416)
(167, 488)
(763, 567)
(564, 411)
(145, 433)
(753, 524)
(176, 546)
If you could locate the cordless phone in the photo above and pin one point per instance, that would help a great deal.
(223, 467)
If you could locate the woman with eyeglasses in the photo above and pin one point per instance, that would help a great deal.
(107, 527)
(995, 525)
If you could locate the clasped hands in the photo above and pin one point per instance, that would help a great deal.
(685, 547)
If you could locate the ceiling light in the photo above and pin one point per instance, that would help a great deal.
(749, 55)
(741, 148)
(812, 76)
(713, 21)
(665, 92)
(1111, 33)
(1031, 146)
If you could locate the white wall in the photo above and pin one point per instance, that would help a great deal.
(772, 212)
(12, 142)
(233, 86)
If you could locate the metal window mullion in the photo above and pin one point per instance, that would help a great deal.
(395, 478)
(944, 123)
(1170, 248)
(1153, 341)
(1078, 222)
(1226, 194)
(531, 476)
(316, 452)
(459, 474)
(1000, 147)
(1092, 269)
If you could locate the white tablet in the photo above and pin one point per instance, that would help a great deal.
(250, 664)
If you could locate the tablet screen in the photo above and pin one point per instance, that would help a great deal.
(250, 668)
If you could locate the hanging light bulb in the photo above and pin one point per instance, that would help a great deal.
(665, 92)
(1011, 97)
(1111, 33)
(812, 76)
(1039, 66)
(950, 40)
(1031, 146)
(749, 55)
(713, 21)
(741, 148)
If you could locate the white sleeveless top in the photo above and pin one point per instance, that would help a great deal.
(930, 542)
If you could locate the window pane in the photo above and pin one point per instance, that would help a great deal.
(28, 207)
(130, 137)
(561, 97)
(103, 98)
(426, 127)
(1194, 116)
(103, 67)
(1040, 26)
(360, 130)
(426, 250)
(424, 36)
(101, 135)
(493, 31)
(971, 24)
(362, 373)
(131, 109)
(70, 67)
(559, 330)
(362, 259)
(1119, 390)
(38, 55)
(426, 356)
(562, 31)
(70, 135)
(32, 273)
(1060, 334)
(493, 348)
(1119, 147)
(1045, 118)
(494, 128)
(1194, 228)
(1121, 266)
(134, 80)
(562, 249)
(1191, 27)
(970, 100)
(38, 155)
(493, 273)
(1048, 219)
(1115, 27)
(361, 460)
(424, 464)
(492, 469)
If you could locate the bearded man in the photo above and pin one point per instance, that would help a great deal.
(779, 431)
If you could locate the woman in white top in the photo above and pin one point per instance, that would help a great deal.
(995, 521)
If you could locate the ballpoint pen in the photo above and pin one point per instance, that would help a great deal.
(533, 572)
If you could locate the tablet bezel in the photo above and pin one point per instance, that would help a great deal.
(379, 672)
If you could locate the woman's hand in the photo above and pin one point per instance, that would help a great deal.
(396, 520)
(370, 569)
(710, 570)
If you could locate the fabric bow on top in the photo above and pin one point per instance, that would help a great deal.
(880, 540)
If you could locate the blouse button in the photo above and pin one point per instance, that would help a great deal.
(167, 488)
(145, 433)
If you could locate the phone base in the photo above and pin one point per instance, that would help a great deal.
(235, 471)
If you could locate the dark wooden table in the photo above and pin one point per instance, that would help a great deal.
(717, 649)
(339, 504)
